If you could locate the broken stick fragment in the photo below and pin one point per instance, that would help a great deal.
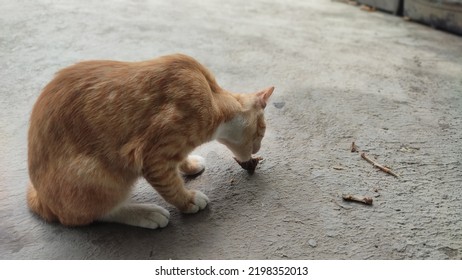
(363, 199)
(379, 166)
(354, 148)
(249, 165)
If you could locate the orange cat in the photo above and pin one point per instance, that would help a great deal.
(100, 125)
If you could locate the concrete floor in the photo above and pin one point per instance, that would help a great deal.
(341, 75)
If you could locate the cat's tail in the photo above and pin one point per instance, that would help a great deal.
(37, 206)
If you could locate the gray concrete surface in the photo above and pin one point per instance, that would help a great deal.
(341, 75)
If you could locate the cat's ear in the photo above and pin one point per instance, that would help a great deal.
(263, 96)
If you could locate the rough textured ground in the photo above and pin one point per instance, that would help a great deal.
(341, 75)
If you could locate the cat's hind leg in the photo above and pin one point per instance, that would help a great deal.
(192, 165)
(139, 215)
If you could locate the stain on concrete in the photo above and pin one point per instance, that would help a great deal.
(279, 105)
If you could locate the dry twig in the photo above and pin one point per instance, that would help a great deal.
(379, 166)
(367, 8)
(357, 198)
(354, 148)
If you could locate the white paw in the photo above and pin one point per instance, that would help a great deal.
(139, 215)
(200, 161)
(200, 202)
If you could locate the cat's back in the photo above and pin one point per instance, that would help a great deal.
(81, 98)
(102, 104)
(108, 80)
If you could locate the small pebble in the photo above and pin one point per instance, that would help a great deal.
(312, 243)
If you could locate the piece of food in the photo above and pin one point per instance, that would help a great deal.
(249, 165)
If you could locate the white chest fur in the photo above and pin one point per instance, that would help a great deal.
(231, 131)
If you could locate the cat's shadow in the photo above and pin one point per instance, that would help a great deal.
(189, 178)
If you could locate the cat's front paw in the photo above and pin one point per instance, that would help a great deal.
(199, 202)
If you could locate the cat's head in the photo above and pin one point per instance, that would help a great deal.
(243, 133)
